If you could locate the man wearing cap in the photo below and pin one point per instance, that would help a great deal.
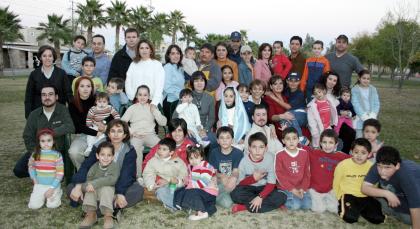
(246, 66)
(208, 65)
(343, 62)
(235, 46)
(296, 56)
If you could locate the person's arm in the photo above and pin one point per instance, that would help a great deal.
(159, 117)
(127, 174)
(79, 125)
(338, 176)
(59, 171)
(307, 177)
(258, 69)
(313, 127)
(29, 133)
(415, 217)
(90, 117)
(115, 113)
(159, 78)
(304, 78)
(287, 65)
(357, 66)
(67, 127)
(29, 94)
(327, 66)
(235, 72)
(31, 169)
(129, 82)
(355, 100)
(149, 176)
(211, 117)
(113, 68)
(376, 103)
(67, 86)
(371, 190)
(282, 175)
(215, 77)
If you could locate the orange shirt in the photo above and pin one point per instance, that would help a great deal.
(232, 64)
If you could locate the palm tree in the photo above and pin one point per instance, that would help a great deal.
(158, 29)
(176, 23)
(90, 16)
(189, 34)
(118, 16)
(9, 30)
(56, 31)
(141, 19)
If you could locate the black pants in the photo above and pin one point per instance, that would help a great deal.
(350, 208)
(245, 194)
(169, 108)
(347, 134)
(195, 199)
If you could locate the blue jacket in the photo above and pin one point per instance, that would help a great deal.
(361, 111)
(245, 73)
(72, 62)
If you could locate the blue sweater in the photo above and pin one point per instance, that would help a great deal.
(359, 107)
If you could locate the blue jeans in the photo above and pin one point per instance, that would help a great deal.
(164, 194)
(295, 203)
(300, 120)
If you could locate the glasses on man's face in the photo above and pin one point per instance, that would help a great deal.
(47, 94)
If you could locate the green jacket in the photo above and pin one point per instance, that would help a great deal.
(100, 177)
(60, 122)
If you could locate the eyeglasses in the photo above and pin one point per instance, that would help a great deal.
(47, 94)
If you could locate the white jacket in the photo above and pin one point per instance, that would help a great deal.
(314, 120)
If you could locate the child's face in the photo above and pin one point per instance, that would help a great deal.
(195, 159)
(225, 140)
(199, 85)
(88, 68)
(105, 156)
(277, 49)
(387, 171)
(317, 49)
(186, 99)
(164, 152)
(143, 96)
(365, 80)
(190, 54)
(102, 103)
(277, 86)
(359, 154)
(244, 93)
(319, 94)
(291, 141)
(370, 133)
(293, 84)
(229, 97)
(331, 81)
(46, 141)
(79, 44)
(328, 144)
(112, 88)
(345, 97)
(257, 91)
(257, 150)
(227, 75)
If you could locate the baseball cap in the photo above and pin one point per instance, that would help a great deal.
(293, 76)
(246, 48)
(343, 37)
(235, 36)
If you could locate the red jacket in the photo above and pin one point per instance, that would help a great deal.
(281, 65)
(275, 109)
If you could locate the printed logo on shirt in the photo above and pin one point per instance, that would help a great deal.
(57, 122)
(225, 168)
(294, 167)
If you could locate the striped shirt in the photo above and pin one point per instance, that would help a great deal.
(200, 177)
(324, 110)
(48, 170)
(99, 115)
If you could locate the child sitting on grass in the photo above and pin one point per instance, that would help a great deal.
(371, 130)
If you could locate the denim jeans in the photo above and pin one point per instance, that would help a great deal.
(295, 203)
(300, 120)
(164, 194)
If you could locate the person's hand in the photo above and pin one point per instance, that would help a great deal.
(202, 132)
(76, 193)
(273, 134)
(297, 193)
(392, 199)
(90, 188)
(218, 124)
(256, 203)
(99, 133)
(259, 174)
(230, 184)
(153, 108)
(288, 116)
(137, 135)
(49, 193)
(161, 182)
(174, 180)
(223, 179)
(101, 126)
(120, 201)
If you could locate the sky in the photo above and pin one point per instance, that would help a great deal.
(265, 20)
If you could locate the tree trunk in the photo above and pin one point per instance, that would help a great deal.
(188, 41)
(117, 37)
(58, 52)
(392, 76)
(89, 36)
(1, 59)
(173, 37)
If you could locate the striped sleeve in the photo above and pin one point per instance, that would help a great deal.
(59, 170)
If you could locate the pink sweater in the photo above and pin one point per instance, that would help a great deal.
(262, 70)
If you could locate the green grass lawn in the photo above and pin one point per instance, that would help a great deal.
(400, 117)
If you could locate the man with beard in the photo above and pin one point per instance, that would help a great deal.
(259, 117)
(51, 115)
(209, 67)
(235, 47)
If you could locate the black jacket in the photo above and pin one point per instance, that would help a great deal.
(119, 65)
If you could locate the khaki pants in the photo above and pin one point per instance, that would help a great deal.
(149, 140)
(37, 199)
(322, 202)
(104, 195)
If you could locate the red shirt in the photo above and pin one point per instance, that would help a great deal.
(281, 65)
(275, 109)
(292, 172)
(324, 111)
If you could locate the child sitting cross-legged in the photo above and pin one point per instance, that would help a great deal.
(164, 173)
(256, 187)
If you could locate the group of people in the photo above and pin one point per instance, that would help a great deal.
(244, 133)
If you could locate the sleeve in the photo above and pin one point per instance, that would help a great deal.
(109, 180)
(31, 168)
(257, 69)
(353, 113)
(376, 103)
(67, 126)
(268, 188)
(159, 83)
(339, 107)
(29, 94)
(196, 115)
(65, 65)
(59, 171)
(355, 100)
(115, 113)
(29, 133)
(357, 65)
(312, 124)
(307, 177)
(282, 175)
(128, 114)
(338, 175)
(183, 173)
(237, 157)
(79, 126)
(327, 66)
(129, 90)
(113, 68)
(287, 66)
(150, 155)
(411, 188)
(213, 160)
(149, 175)
(211, 118)
(81, 175)
(159, 117)
(235, 72)
(181, 107)
(304, 78)
(67, 88)
(372, 176)
(90, 117)
(128, 173)
(167, 88)
(214, 78)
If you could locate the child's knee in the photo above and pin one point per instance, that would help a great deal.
(35, 204)
(350, 218)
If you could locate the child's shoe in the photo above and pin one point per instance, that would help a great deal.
(238, 208)
(196, 217)
(108, 221)
(205, 143)
(304, 140)
(89, 220)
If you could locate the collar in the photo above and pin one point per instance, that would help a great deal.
(249, 156)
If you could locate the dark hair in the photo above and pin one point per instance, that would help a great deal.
(224, 129)
(242, 85)
(40, 132)
(222, 69)
(261, 48)
(137, 57)
(47, 84)
(79, 37)
(257, 137)
(221, 43)
(44, 48)
(259, 107)
(318, 42)
(329, 133)
(361, 73)
(100, 36)
(169, 142)
(276, 78)
(118, 81)
(102, 95)
(77, 100)
(297, 38)
(105, 144)
(185, 92)
(131, 30)
(257, 82)
(278, 42)
(168, 52)
(289, 130)
(118, 122)
(196, 76)
(388, 155)
(372, 122)
(178, 122)
(137, 91)
(320, 87)
(337, 87)
(188, 49)
(208, 46)
(234, 94)
(345, 90)
(361, 142)
(88, 59)
(195, 150)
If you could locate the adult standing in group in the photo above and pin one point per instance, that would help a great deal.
(222, 59)
(343, 62)
(262, 69)
(50, 74)
(235, 47)
(209, 67)
(123, 58)
(174, 79)
(84, 99)
(103, 62)
(296, 56)
(145, 70)
(246, 67)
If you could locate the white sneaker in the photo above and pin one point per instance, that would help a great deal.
(205, 215)
(205, 143)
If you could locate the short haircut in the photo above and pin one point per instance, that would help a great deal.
(320, 87)
(242, 85)
(224, 129)
(105, 144)
(257, 137)
(297, 38)
(118, 81)
(131, 30)
(259, 107)
(88, 59)
(185, 92)
(79, 37)
(196, 76)
(44, 48)
(345, 90)
(257, 82)
(287, 131)
(118, 122)
(100, 36)
(329, 133)
(388, 155)
(278, 42)
(372, 122)
(169, 142)
(188, 49)
(362, 142)
(178, 122)
(50, 85)
(318, 42)
(102, 95)
(195, 150)
(208, 46)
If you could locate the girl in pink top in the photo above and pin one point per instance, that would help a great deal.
(262, 69)
(227, 81)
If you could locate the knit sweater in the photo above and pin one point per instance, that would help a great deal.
(142, 120)
(363, 112)
(189, 112)
(72, 61)
(292, 170)
(281, 65)
(99, 115)
(200, 176)
(48, 170)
